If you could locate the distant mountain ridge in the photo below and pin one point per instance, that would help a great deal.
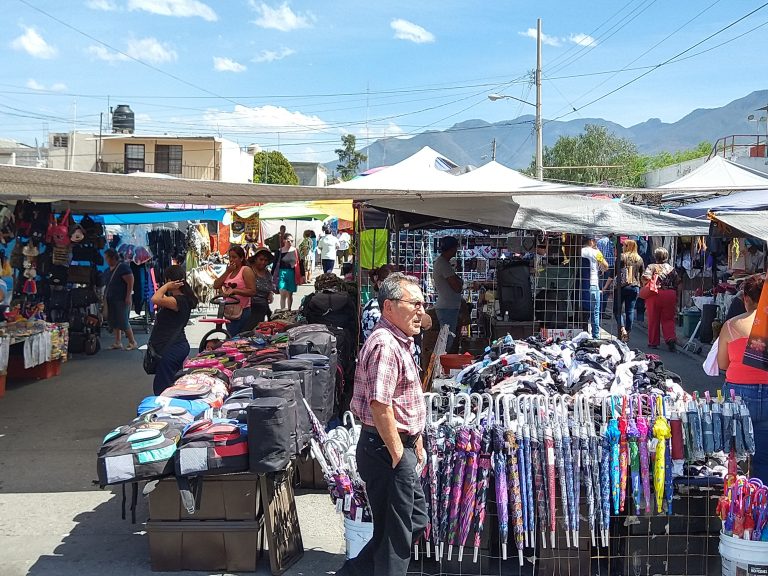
(469, 142)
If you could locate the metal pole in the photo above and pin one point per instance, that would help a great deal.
(539, 141)
(493, 154)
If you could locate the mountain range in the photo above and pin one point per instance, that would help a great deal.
(469, 142)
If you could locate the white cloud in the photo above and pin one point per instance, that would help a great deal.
(35, 85)
(272, 55)
(227, 65)
(144, 49)
(105, 5)
(548, 40)
(33, 44)
(405, 30)
(582, 39)
(376, 132)
(272, 119)
(281, 17)
(180, 8)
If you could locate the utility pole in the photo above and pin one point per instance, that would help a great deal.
(493, 151)
(539, 139)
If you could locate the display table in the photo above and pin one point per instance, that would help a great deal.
(32, 350)
(238, 516)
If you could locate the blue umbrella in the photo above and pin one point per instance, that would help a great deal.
(557, 430)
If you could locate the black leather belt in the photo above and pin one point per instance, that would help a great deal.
(409, 441)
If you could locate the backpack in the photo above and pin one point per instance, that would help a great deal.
(153, 403)
(141, 450)
(332, 309)
(271, 422)
(58, 231)
(213, 446)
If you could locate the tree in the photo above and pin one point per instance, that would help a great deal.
(594, 157)
(664, 159)
(273, 168)
(349, 158)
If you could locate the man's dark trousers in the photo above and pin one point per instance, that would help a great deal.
(398, 506)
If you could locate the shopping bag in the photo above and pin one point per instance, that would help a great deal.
(651, 288)
(756, 353)
(710, 364)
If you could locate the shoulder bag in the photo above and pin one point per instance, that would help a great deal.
(152, 356)
(651, 288)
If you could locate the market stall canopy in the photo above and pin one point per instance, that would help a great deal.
(749, 200)
(582, 215)
(749, 223)
(162, 217)
(719, 174)
(497, 211)
(284, 211)
(495, 177)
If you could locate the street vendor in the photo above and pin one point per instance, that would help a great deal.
(388, 400)
(448, 286)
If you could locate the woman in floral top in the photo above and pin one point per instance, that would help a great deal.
(662, 306)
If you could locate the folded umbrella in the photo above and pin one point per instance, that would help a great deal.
(538, 469)
(469, 490)
(645, 468)
(529, 501)
(484, 467)
(569, 511)
(707, 433)
(560, 461)
(549, 450)
(623, 455)
(614, 436)
(662, 432)
(586, 461)
(633, 437)
(605, 478)
(515, 500)
(446, 469)
(500, 478)
(463, 440)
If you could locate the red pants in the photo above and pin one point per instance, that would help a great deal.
(661, 310)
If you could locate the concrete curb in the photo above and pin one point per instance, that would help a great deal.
(705, 348)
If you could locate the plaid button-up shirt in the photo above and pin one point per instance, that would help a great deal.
(386, 372)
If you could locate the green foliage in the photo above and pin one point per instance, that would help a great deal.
(594, 157)
(349, 158)
(664, 159)
(273, 168)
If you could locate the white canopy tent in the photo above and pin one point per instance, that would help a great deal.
(495, 177)
(715, 175)
(739, 201)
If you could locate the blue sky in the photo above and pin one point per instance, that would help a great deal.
(297, 75)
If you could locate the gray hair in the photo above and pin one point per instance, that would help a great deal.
(661, 255)
(391, 288)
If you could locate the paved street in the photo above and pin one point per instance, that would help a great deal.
(55, 521)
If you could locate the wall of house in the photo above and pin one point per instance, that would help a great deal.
(79, 155)
(310, 173)
(236, 164)
(197, 155)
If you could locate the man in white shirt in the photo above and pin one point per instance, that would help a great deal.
(328, 245)
(448, 287)
(593, 263)
(342, 252)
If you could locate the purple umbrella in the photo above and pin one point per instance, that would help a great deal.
(515, 499)
(623, 456)
(500, 475)
(614, 437)
(645, 468)
(549, 449)
(484, 464)
(449, 451)
(605, 478)
(463, 442)
(469, 490)
(538, 469)
(529, 482)
(432, 471)
(633, 436)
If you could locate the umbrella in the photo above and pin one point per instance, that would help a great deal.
(432, 473)
(484, 464)
(569, 511)
(521, 465)
(538, 468)
(605, 477)
(633, 435)
(529, 480)
(717, 425)
(500, 475)
(582, 419)
(576, 451)
(662, 432)
(694, 426)
(668, 490)
(515, 500)
(557, 430)
(623, 455)
(645, 469)
(449, 446)
(706, 425)
(549, 450)
(748, 432)
(463, 440)
(469, 490)
(614, 436)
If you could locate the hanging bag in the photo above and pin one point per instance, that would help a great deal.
(651, 288)
(152, 356)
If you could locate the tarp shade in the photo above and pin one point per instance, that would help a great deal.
(284, 211)
(161, 217)
(738, 201)
(749, 223)
(496, 211)
(719, 173)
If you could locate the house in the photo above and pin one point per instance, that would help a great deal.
(15, 153)
(310, 173)
(193, 157)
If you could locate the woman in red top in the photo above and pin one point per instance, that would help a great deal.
(749, 383)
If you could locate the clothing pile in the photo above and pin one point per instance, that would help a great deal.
(239, 407)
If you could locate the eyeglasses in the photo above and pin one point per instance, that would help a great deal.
(415, 303)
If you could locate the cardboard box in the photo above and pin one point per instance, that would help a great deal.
(227, 497)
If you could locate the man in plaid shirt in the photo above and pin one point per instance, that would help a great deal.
(389, 402)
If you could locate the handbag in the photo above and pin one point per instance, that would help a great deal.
(152, 356)
(710, 365)
(650, 289)
(233, 311)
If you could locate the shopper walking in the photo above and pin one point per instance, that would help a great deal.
(749, 383)
(662, 306)
(118, 295)
(632, 269)
(593, 263)
(174, 302)
(388, 400)
(265, 288)
(328, 245)
(448, 287)
(305, 250)
(287, 273)
(238, 282)
(342, 252)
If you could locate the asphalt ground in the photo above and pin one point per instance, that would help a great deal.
(54, 521)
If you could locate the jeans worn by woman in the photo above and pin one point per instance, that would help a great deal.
(628, 302)
(755, 396)
(236, 326)
(172, 360)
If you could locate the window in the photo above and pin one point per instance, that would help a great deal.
(168, 159)
(60, 141)
(134, 158)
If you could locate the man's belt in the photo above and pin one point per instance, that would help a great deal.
(408, 440)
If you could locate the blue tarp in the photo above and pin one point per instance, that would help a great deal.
(160, 217)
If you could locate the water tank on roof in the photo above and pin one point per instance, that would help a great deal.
(123, 120)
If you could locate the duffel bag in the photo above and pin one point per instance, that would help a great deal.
(214, 446)
(287, 385)
(323, 390)
(311, 339)
(243, 377)
(270, 422)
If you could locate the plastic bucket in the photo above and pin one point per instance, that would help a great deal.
(690, 319)
(743, 556)
(357, 535)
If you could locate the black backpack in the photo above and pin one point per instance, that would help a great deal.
(213, 446)
(270, 424)
(332, 308)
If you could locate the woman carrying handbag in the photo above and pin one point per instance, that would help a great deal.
(288, 274)
(239, 282)
(660, 284)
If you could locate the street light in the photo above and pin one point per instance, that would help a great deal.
(539, 139)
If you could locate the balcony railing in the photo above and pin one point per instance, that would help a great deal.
(187, 171)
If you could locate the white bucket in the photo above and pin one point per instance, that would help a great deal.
(743, 556)
(357, 535)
